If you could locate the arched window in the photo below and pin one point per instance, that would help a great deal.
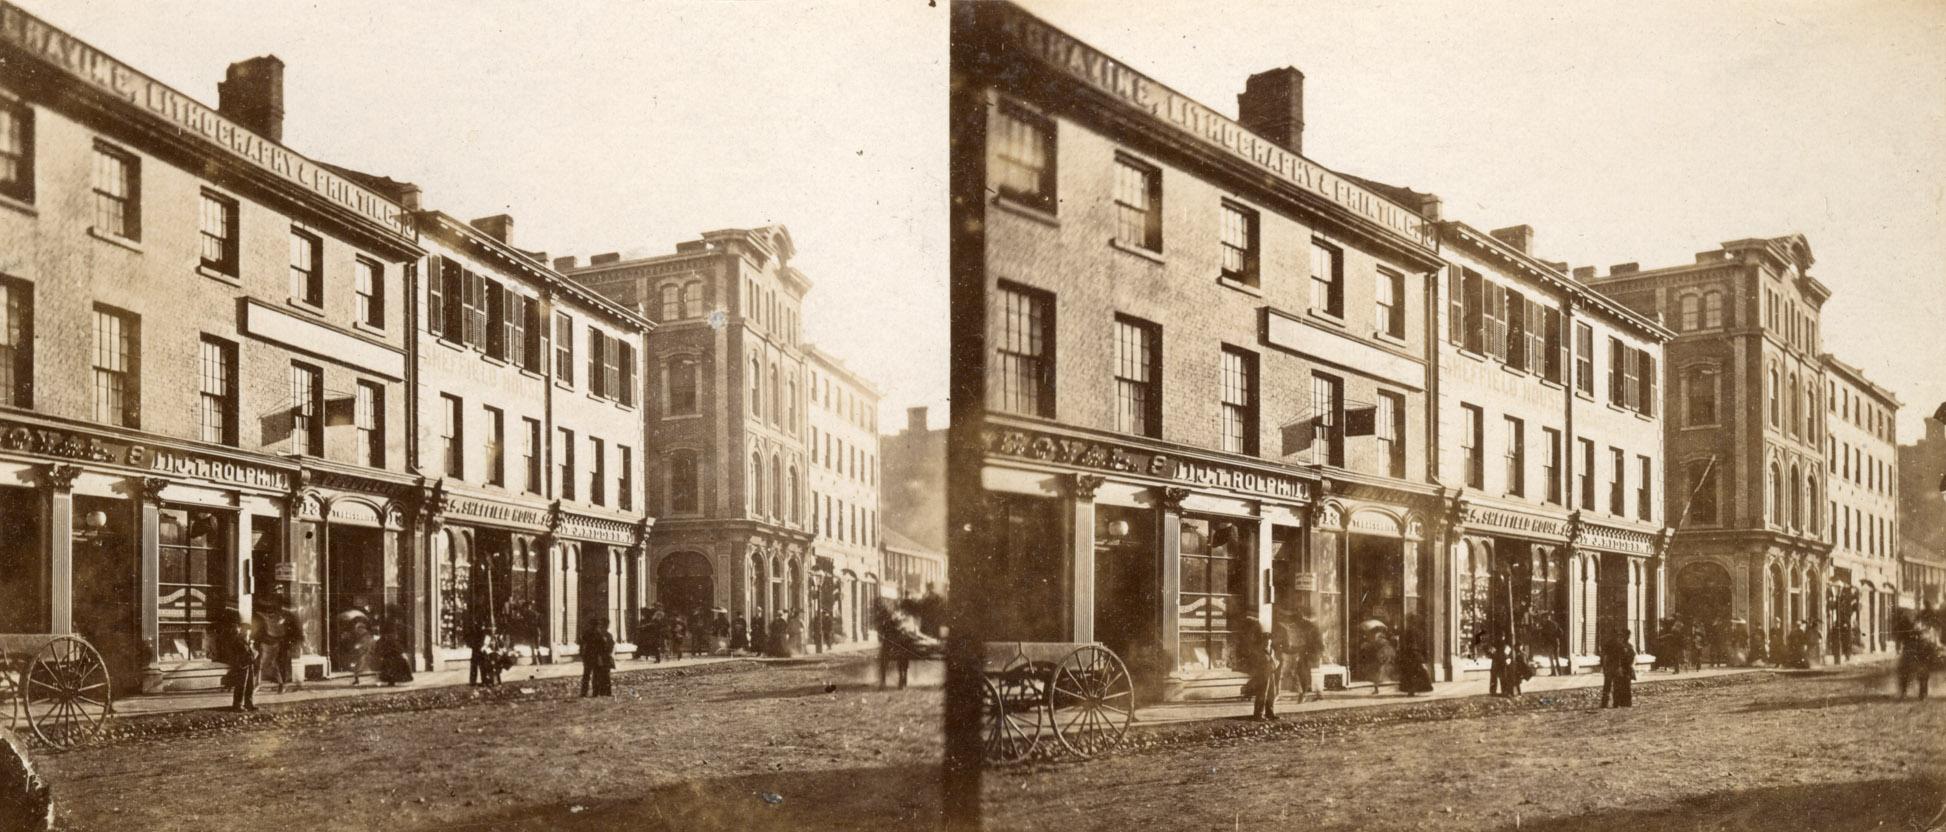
(790, 406)
(1810, 410)
(776, 486)
(692, 299)
(1775, 496)
(1795, 409)
(1811, 503)
(756, 389)
(1776, 406)
(681, 381)
(671, 305)
(1691, 312)
(775, 409)
(795, 496)
(683, 496)
(756, 484)
(1712, 309)
(1797, 498)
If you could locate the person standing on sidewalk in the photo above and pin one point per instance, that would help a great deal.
(236, 647)
(678, 633)
(759, 633)
(1415, 675)
(597, 658)
(739, 635)
(393, 666)
(1257, 657)
(1618, 671)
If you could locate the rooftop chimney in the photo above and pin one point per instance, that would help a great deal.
(605, 259)
(498, 226)
(1272, 106)
(1624, 268)
(252, 94)
(1584, 273)
(915, 419)
(564, 263)
(1520, 237)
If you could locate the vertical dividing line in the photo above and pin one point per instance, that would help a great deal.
(967, 568)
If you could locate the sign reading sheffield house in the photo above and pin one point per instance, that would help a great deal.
(64, 52)
(1061, 51)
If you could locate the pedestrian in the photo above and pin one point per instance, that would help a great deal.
(597, 658)
(1557, 644)
(1695, 646)
(289, 647)
(1283, 642)
(779, 645)
(267, 635)
(759, 633)
(236, 646)
(394, 667)
(699, 627)
(678, 635)
(1415, 675)
(1257, 656)
(362, 642)
(719, 631)
(739, 635)
(1519, 668)
(476, 640)
(655, 633)
(1618, 671)
(1384, 655)
(1919, 653)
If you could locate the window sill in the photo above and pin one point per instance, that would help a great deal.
(1617, 408)
(1552, 383)
(218, 276)
(124, 242)
(1583, 395)
(1475, 355)
(564, 385)
(1017, 207)
(1151, 256)
(455, 346)
(368, 328)
(1388, 338)
(531, 374)
(677, 417)
(1228, 282)
(305, 307)
(20, 205)
(1322, 315)
(1512, 370)
(498, 362)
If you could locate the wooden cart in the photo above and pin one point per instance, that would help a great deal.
(1053, 695)
(57, 685)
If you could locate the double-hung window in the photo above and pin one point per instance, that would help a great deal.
(117, 359)
(1472, 446)
(370, 421)
(1138, 204)
(369, 284)
(452, 436)
(1239, 401)
(1389, 311)
(1023, 157)
(1516, 457)
(1327, 279)
(307, 409)
(1390, 426)
(1137, 356)
(218, 399)
(16, 149)
(217, 223)
(118, 193)
(1240, 246)
(1328, 419)
(16, 343)
(307, 267)
(1023, 372)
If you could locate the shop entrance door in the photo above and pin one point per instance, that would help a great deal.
(594, 587)
(26, 609)
(1377, 604)
(107, 588)
(1128, 592)
(684, 584)
(354, 586)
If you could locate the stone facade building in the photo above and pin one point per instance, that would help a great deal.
(845, 470)
(727, 418)
(1746, 437)
(1921, 471)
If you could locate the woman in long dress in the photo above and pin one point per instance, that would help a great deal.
(1414, 677)
(393, 666)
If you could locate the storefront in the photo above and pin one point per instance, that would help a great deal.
(605, 575)
(1515, 578)
(1159, 555)
(1370, 584)
(345, 563)
(489, 561)
(136, 545)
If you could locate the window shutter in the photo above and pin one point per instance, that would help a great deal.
(1516, 330)
(1455, 305)
(454, 278)
(612, 367)
(594, 361)
(1536, 338)
(1616, 377)
(1648, 383)
(628, 373)
(435, 297)
(1475, 323)
(1552, 343)
(517, 329)
(536, 336)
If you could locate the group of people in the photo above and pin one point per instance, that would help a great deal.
(777, 636)
(1284, 652)
(264, 649)
(701, 632)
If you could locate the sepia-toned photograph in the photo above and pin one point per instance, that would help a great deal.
(981, 414)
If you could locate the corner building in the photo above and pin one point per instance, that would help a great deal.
(1206, 362)
(726, 410)
(1550, 451)
(203, 400)
(530, 431)
(1745, 437)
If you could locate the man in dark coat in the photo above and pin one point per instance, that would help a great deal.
(678, 635)
(1618, 671)
(597, 658)
(477, 672)
(1256, 657)
(759, 633)
(654, 633)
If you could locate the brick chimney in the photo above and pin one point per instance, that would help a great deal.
(605, 259)
(564, 263)
(1520, 237)
(498, 226)
(915, 419)
(1272, 106)
(1584, 273)
(252, 94)
(1624, 268)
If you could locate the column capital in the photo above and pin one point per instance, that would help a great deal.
(149, 489)
(1084, 486)
(1171, 498)
(60, 476)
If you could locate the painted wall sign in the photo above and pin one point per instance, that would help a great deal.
(1487, 518)
(42, 441)
(497, 512)
(90, 66)
(1063, 53)
(1082, 453)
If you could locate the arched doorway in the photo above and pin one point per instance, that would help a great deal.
(684, 583)
(1703, 597)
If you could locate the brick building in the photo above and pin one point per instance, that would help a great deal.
(845, 468)
(1746, 440)
(205, 348)
(727, 418)
(1861, 453)
(1550, 438)
(1190, 414)
(531, 428)
(914, 496)
(1921, 469)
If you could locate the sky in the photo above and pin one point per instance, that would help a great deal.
(1623, 132)
(1640, 132)
(624, 126)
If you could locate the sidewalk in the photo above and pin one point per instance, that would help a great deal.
(1165, 713)
(340, 686)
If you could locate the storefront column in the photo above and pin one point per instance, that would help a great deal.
(240, 579)
(1260, 592)
(1171, 594)
(57, 541)
(149, 504)
(1081, 559)
(1577, 616)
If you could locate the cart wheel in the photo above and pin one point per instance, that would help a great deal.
(1012, 717)
(9, 698)
(65, 694)
(1090, 701)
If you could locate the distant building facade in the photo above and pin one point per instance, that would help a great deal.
(913, 494)
(845, 481)
(1862, 468)
(1922, 519)
(728, 418)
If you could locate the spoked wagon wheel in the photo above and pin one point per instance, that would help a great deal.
(1013, 717)
(1090, 700)
(64, 692)
(9, 696)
